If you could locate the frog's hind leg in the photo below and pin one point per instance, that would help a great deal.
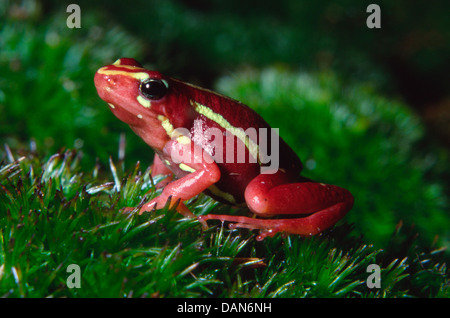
(303, 226)
(320, 205)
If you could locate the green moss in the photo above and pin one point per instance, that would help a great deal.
(53, 214)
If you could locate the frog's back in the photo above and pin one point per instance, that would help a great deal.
(240, 128)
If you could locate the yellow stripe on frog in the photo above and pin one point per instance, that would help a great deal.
(165, 123)
(252, 147)
(136, 75)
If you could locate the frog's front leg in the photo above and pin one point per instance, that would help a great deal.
(321, 205)
(201, 170)
(160, 169)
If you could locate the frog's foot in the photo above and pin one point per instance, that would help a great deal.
(242, 222)
(304, 226)
(160, 202)
(127, 209)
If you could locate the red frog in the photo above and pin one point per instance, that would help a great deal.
(202, 139)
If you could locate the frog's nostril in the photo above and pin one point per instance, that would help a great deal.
(110, 82)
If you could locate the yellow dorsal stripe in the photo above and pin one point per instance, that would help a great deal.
(136, 75)
(252, 147)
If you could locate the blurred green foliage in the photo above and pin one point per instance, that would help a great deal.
(46, 85)
(224, 35)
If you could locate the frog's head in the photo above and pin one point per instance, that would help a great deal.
(132, 92)
(149, 102)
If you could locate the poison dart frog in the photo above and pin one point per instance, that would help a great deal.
(211, 143)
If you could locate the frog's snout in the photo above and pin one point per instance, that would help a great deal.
(104, 85)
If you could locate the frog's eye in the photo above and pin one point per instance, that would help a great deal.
(153, 89)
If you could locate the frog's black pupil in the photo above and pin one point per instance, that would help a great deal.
(153, 89)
